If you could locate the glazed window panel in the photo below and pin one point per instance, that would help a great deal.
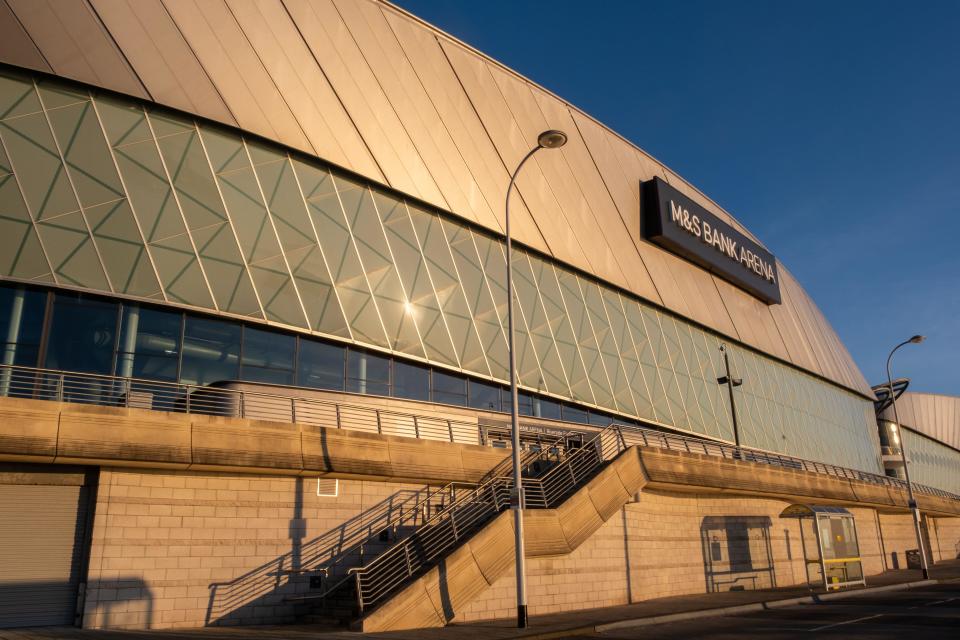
(609, 349)
(563, 333)
(83, 334)
(411, 381)
(478, 298)
(529, 304)
(268, 356)
(345, 269)
(379, 267)
(320, 365)
(583, 333)
(21, 323)
(211, 351)
(494, 263)
(368, 373)
(149, 345)
(449, 290)
(420, 301)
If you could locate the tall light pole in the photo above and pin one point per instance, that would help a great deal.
(911, 501)
(731, 382)
(551, 139)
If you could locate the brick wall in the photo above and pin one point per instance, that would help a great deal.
(161, 541)
(668, 544)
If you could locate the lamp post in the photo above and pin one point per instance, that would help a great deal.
(731, 382)
(551, 139)
(911, 501)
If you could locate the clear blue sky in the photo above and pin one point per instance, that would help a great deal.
(831, 129)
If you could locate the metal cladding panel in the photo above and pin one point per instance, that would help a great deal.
(753, 319)
(75, 44)
(236, 70)
(456, 117)
(793, 304)
(512, 143)
(620, 253)
(16, 47)
(400, 85)
(160, 56)
(342, 61)
(363, 85)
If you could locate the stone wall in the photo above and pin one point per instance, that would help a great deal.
(667, 544)
(162, 542)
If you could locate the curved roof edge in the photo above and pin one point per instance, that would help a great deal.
(933, 415)
(406, 105)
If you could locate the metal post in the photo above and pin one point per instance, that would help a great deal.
(911, 501)
(823, 564)
(517, 497)
(733, 405)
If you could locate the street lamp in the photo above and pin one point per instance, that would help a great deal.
(551, 139)
(911, 501)
(731, 382)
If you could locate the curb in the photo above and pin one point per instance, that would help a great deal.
(749, 608)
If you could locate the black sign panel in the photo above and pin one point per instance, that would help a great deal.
(680, 225)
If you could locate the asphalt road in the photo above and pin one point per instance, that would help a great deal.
(927, 612)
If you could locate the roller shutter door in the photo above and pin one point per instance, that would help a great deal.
(41, 551)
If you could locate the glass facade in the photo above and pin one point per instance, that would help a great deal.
(931, 463)
(117, 197)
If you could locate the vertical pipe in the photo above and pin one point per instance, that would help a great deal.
(10, 344)
(131, 330)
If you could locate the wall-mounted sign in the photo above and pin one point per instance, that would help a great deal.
(680, 225)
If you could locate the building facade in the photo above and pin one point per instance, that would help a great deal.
(304, 198)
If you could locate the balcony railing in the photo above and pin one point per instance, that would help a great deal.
(116, 391)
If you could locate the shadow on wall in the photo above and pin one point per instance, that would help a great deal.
(737, 555)
(123, 602)
(310, 567)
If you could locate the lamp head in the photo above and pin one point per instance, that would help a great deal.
(918, 339)
(552, 139)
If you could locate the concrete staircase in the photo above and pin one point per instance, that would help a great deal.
(427, 578)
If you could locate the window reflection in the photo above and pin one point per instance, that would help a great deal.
(411, 381)
(368, 373)
(484, 395)
(149, 343)
(211, 351)
(267, 356)
(449, 389)
(21, 324)
(83, 333)
(320, 365)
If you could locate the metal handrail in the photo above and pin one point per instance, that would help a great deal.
(464, 517)
(118, 391)
(88, 388)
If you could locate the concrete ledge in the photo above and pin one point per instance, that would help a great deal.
(65, 433)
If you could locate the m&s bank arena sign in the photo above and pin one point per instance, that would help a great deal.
(680, 225)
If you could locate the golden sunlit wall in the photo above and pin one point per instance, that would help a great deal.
(112, 196)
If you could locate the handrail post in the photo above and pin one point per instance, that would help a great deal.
(339, 425)
(242, 407)
(450, 429)
(406, 553)
(356, 577)
(293, 410)
(379, 426)
(60, 388)
(416, 427)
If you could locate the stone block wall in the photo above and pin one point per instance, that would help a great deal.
(668, 544)
(167, 545)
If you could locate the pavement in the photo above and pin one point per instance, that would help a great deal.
(735, 613)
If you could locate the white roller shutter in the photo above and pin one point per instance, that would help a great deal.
(41, 535)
